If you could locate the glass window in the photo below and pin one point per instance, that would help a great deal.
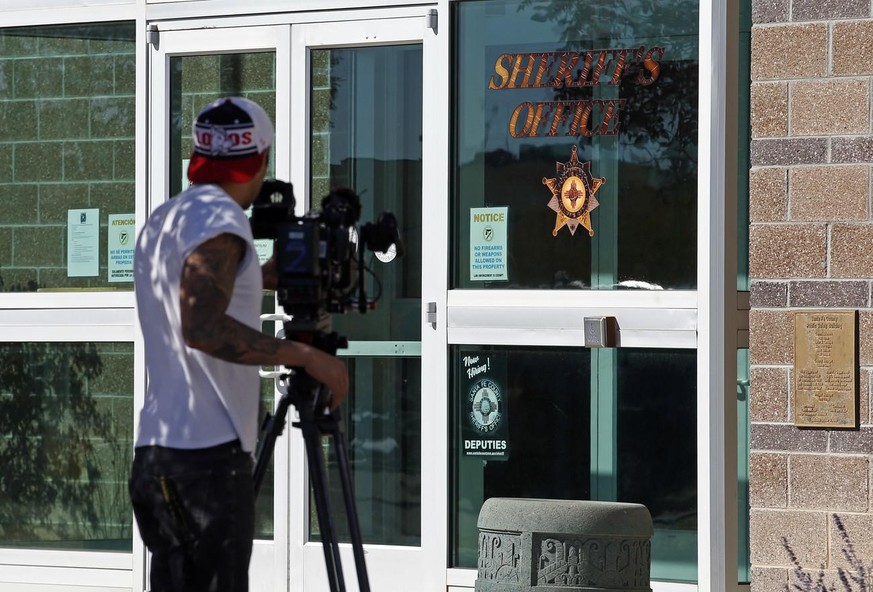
(575, 154)
(366, 135)
(572, 423)
(67, 111)
(383, 432)
(66, 443)
(195, 82)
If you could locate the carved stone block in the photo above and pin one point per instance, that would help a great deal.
(530, 545)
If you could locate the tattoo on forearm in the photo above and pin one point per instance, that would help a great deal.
(208, 276)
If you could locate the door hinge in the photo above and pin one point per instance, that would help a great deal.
(432, 19)
(431, 314)
(153, 36)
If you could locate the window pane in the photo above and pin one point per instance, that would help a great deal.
(530, 440)
(195, 82)
(366, 124)
(744, 133)
(366, 135)
(66, 438)
(576, 144)
(382, 423)
(657, 451)
(572, 423)
(67, 111)
(744, 548)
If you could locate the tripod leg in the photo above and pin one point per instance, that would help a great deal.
(318, 476)
(351, 508)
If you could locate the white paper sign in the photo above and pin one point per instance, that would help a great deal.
(83, 232)
(263, 246)
(488, 243)
(120, 244)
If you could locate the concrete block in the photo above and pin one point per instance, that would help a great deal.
(535, 545)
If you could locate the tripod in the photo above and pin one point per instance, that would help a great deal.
(316, 422)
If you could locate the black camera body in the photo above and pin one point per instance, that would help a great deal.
(319, 256)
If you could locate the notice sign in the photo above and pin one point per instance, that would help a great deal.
(120, 247)
(488, 243)
(83, 232)
(485, 410)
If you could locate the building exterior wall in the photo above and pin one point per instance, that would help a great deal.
(811, 247)
(810, 211)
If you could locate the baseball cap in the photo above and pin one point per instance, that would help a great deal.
(230, 138)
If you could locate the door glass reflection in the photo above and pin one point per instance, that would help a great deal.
(366, 135)
(196, 81)
(573, 423)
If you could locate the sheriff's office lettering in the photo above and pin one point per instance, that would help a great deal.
(570, 69)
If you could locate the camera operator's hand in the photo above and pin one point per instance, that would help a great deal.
(330, 371)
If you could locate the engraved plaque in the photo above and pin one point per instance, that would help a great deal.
(825, 369)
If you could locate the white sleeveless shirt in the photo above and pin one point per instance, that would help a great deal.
(194, 400)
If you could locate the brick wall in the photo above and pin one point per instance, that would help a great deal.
(811, 246)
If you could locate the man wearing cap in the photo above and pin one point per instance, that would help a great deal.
(199, 286)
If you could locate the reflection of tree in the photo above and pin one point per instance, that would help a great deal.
(659, 121)
(50, 426)
(616, 19)
(29, 286)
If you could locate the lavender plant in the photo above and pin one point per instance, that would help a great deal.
(855, 578)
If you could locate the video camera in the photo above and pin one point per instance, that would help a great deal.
(320, 255)
(319, 274)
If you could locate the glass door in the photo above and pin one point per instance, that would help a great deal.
(582, 270)
(190, 69)
(358, 101)
(348, 100)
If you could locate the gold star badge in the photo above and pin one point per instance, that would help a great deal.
(573, 194)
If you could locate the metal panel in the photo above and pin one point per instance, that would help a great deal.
(564, 325)
(20, 577)
(52, 12)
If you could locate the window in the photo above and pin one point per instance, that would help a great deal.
(67, 111)
(576, 122)
(66, 425)
(196, 82)
(366, 124)
(573, 423)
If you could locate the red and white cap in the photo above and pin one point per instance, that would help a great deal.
(230, 138)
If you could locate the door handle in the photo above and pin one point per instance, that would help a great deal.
(430, 316)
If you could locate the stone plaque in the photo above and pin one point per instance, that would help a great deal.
(825, 369)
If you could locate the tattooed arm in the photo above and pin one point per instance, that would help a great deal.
(206, 287)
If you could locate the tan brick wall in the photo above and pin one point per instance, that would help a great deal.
(811, 246)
